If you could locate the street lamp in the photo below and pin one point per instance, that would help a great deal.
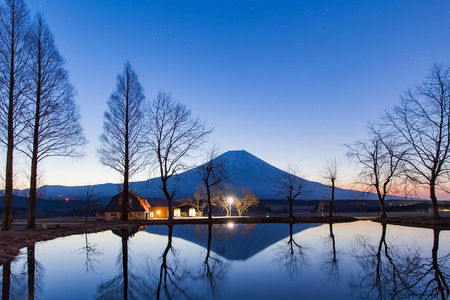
(230, 200)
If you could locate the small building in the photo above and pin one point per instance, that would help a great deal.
(185, 210)
(159, 212)
(138, 208)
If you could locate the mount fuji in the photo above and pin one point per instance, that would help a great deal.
(243, 168)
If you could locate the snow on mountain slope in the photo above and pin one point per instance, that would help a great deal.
(244, 170)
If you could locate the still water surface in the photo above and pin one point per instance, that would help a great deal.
(360, 260)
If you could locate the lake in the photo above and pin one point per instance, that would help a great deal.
(359, 260)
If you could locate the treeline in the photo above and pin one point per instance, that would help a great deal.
(38, 114)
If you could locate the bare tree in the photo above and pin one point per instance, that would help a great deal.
(245, 200)
(90, 194)
(220, 197)
(329, 173)
(199, 197)
(381, 161)
(173, 134)
(212, 173)
(422, 123)
(53, 128)
(290, 185)
(123, 139)
(13, 86)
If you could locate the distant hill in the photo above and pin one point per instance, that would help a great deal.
(244, 170)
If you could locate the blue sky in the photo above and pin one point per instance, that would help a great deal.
(288, 81)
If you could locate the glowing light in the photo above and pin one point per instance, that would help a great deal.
(230, 225)
(67, 199)
(158, 212)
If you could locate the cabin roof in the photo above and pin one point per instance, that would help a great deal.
(138, 203)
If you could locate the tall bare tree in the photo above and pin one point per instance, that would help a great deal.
(53, 128)
(422, 123)
(123, 139)
(329, 173)
(172, 136)
(13, 86)
(381, 161)
(290, 185)
(212, 173)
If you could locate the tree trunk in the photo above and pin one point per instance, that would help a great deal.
(291, 215)
(31, 222)
(383, 208)
(434, 199)
(208, 195)
(126, 174)
(330, 214)
(168, 197)
(7, 220)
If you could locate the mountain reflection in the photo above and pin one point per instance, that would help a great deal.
(398, 272)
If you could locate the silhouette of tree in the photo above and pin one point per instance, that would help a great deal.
(6, 281)
(13, 87)
(329, 173)
(90, 194)
(381, 164)
(120, 287)
(123, 131)
(172, 136)
(212, 174)
(292, 255)
(54, 128)
(290, 185)
(421, 123)
(91, 251)
(330, 263)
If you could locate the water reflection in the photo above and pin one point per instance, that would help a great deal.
(400, 271)
(6, 281)
(330, 262)
(119, 287)
(91, 251)
(292, 256)
(215, 261)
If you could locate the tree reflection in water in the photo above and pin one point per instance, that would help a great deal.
(120, 287)
(330, 263)
(398, 272)
(27, 283)
(292, 256)
(6, 280)
(91, 251)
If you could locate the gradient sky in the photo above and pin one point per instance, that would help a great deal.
(288, 81)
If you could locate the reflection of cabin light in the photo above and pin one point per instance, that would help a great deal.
(158, 212)
(230, 225)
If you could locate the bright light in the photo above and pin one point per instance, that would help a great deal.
(230, 200)
(230, 225)
(67, 199)
(158, 212)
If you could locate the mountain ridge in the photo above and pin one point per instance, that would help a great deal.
(243, 168)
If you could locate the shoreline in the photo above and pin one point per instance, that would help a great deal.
(12, 241)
